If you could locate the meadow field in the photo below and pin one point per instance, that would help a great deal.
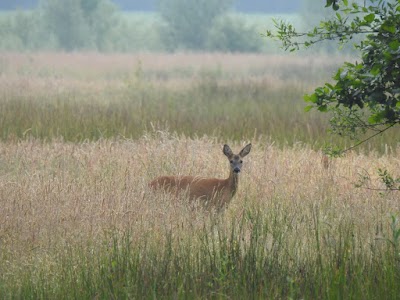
(88, 96)
(82, 134)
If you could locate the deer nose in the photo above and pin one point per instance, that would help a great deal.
(236, 170)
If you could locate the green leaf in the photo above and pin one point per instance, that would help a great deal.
(394, 45)
(328, 3)
(311, 98)
(308, 108)
(369, 18)
(323, 108)
(330, 86)
(389, 28)
(319, 91)
(388, 56)
(358, 67)
(398, 104)
(376, 70)
(375, 118)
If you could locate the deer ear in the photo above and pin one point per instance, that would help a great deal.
(245, 151)
(227, 151)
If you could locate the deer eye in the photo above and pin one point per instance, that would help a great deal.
(231, 161)
(241, 161)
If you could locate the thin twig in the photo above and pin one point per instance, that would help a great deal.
(370, 137)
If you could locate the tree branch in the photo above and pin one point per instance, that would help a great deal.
(370, 137)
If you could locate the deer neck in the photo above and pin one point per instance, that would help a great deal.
(232, 182)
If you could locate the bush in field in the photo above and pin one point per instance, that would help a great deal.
(188, 22)
(78, 24)
(230, 33)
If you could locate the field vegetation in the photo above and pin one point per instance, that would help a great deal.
(230, 96)
(82, 134)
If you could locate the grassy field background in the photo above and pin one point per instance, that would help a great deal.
(83, 133)
(229, 96)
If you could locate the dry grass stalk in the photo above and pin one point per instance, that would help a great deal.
(57, 193)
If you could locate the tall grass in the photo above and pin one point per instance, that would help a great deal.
(91, 96)
(78, 221)
(81, 135)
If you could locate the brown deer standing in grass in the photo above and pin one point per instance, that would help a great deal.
(212, 192)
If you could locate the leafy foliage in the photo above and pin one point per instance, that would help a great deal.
(366, 94)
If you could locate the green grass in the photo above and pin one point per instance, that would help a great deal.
(222, 98)
(236, 111)
(253, 258)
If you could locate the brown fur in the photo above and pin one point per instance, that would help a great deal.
(212, 192)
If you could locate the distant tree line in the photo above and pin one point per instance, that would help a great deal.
(71, 25)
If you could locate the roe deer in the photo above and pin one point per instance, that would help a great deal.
(213, 192)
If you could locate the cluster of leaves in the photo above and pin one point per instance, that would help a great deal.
(334, 4)
(365, 96)
(375, 82)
